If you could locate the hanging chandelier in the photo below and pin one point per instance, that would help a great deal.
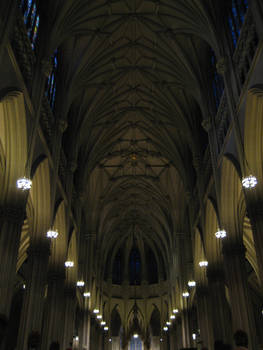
(249, 181)
(203, 263)
(191, 284)
(69, 263)
(185, 294)
(24, 184)
(220, 234)
(80, 283)
(52, 233)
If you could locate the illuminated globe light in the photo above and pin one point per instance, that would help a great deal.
(135, 335)
(52, 233)
(69, 263)
(172, 317)
(24, 184)
(194, 336)
(106, 328)
(185, 294)
(110, 340)
(80, 283)
(86, 294)
(103, 323)
(249, 181)
(161, 339)
(203, 263)
(24, 286)
(99, 317)
(175, 311)
(220, 234)
(96, 311)
(77, 338)
(168, 323)
(165, 329)
(191, 284)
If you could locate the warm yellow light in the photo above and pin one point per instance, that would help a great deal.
(172, 317)
(80, 283)
(135, 335)
(96, 311)
(185, 294)
(220, 234)
(175, 311)
(191, 284)
(86, 294)
(52, 233)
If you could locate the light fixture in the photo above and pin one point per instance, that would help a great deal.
(175, 311)
(106, 328)
(135, 335)
(99, 317)
(220, 234)
(24, 286)
(185, 294)
(86, 294)
(80, 283)
(191, 284)
(194, 336)
(172, 317)
(24, 184)
(69, 263)
(168, 323)
(110, 340)
(52, 233)
(165, 329)
(249, 181)
(103, 323)
(77, 338)
(203, 263)
(96, 311)
(161, 339)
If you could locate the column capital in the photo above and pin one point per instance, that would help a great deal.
(206, 124)
(222, 65)
(46, 66)
(12, 214)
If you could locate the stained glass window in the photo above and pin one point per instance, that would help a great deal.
(135, 267)
(135, 344)
(51, 82)
(31, 19)
(236, 18)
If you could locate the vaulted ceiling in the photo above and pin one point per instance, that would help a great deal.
(135, 82)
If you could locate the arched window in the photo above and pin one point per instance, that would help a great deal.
(135, 344)
(51, 81)
(31, 19)
(236, 18)
(135, 267)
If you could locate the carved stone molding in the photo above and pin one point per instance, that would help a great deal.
(222, 65)
(206, 124)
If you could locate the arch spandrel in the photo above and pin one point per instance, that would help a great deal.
(232, 203)
(14, 144)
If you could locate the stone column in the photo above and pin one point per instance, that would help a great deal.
(69, 315)
(52, 331)
(221, 315)
(236, 275)
(86, 330)
(186, 336)
(255, 210)
(204, 314)
(8, 11)
(11, 220)
(32, 310)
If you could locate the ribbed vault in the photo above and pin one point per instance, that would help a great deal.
(138, 80)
